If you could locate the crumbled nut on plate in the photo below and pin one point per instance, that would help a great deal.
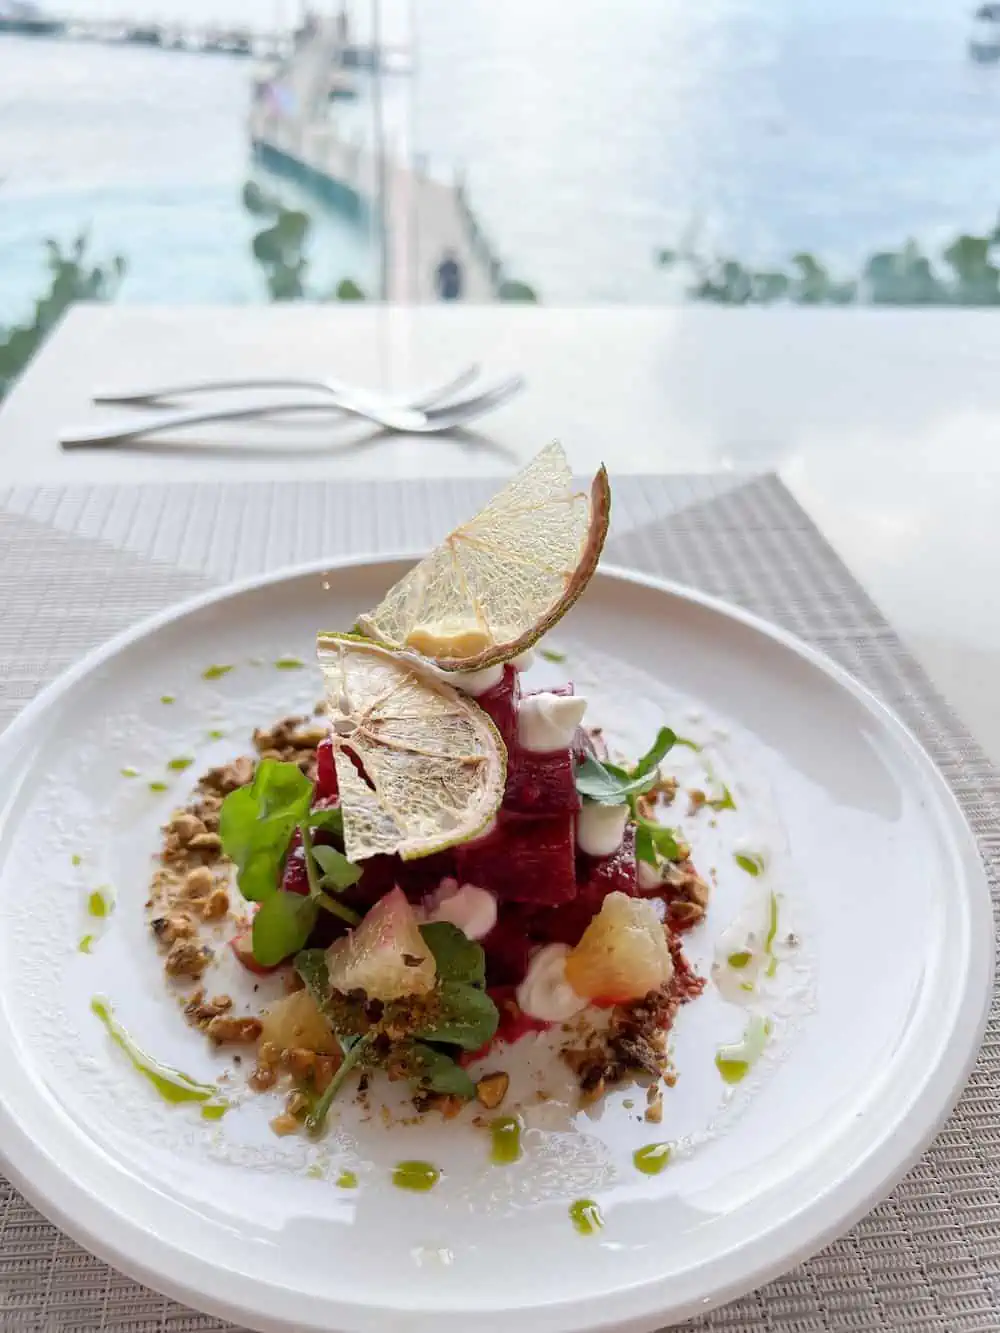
(228, 1029)
(187, 959)
(491, 1089)
(173, 927)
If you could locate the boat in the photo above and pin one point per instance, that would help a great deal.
(984, 44)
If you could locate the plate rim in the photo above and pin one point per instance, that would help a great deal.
(789, 1242)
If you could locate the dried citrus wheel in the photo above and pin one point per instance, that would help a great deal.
(420, 767)
(499, 582)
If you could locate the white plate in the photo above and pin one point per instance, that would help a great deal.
(879, 878)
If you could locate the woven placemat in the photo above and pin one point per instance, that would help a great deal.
(79, 564)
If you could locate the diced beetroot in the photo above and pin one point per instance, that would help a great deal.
(501, 704)
(618, 873)
(522, 859)
(508, 947)
(597, 876)
(295, 879)
(540, 784)
(416, 878)
(326, 772)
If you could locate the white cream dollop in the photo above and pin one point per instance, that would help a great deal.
(600, 828)
(524, 660)
(475, 682)
(472, 909)
(545, 993)
(548, 722)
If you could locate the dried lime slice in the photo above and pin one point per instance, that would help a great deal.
(502, 580)
(434, 762)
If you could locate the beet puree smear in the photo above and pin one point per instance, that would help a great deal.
(547, 890)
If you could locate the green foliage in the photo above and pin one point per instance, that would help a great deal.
(966, 274)
(279, 249)
(71, 278)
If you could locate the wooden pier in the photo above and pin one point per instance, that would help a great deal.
(424, 218)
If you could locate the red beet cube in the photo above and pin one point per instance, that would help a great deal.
(415, 878)
(326, 772)
(501, 704)
(294, 878)
(540, 784)
(597, 876)
(522, 859)
(508, 947)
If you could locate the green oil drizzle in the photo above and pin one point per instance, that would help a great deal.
(506, 1133)
(289, 664)
(214, 1110)
(168, 698)
(651, 1159)
(216, 671)
(101, 902)
(216, 735)
(159, 786)
(551, 655)
(586, 1216)
(735, 1062)
(86, 944)
(76, 859)
(180, 763)
(347, 1180)
(129, 772)
(753, 865)
(740, 959)
(419, 1176)
(171, 1084)
(690, 745)
(772, 932)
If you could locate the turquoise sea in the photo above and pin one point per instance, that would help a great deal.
(590, 134)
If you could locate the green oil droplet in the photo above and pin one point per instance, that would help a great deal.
(86, 944)
(586, 1216)
(159, 786)
(740, 959)
(419, 1176)
(628, 1104)
(129, 772)
(753, 865)
(180, 763)
(347, 1180)
(735, 1061)
(550, 655)
(214, 1110)
(315, 1172)
(101, 902)
(732, 1071)
(76, 859)
(506, 1132)
(289, 664)
(168, 698)
(651, 1159)
(216, 735)
(216, 671)
(171, 1084)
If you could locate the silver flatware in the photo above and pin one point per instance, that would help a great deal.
(400, 420)
(331, 388)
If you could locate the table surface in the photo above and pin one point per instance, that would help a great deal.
(884, 424)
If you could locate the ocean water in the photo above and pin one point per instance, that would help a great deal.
(590, 134)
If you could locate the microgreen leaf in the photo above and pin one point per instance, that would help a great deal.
(282, 926)
(330, 818)
(438, 1072)
(311, 967)
(353, 1053)
(256, 825)
(466, 1017)
(338, 872)
(655, 841)
(457, 957)
(606, 784)
(723, 802)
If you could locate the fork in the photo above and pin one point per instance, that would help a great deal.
(334, 388)
(406, 421)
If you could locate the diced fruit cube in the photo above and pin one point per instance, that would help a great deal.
(386, 956)
(623, 953)
(295, 1021)
(540, 784)
(501, 704)
(242, 947)
(326, 772)
(522, 859)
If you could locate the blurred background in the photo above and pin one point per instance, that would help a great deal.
(733, 151)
